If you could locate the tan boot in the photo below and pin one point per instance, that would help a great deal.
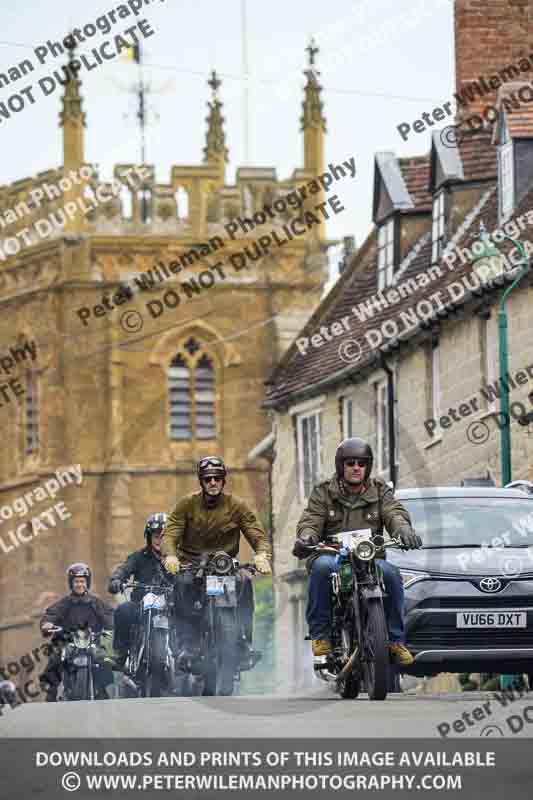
(401, 655)
(321, 647)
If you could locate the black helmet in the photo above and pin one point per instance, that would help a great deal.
(79, 570)
(211, 466)
(154, 524)
(353, 448)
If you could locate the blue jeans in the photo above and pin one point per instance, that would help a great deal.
(318, 612)
(126, 615)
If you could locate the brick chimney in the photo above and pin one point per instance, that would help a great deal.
(491, 35)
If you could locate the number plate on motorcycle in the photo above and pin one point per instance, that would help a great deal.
(80, 661)
(223, 588)
(152, 600)
(349, 538)
(160, 621)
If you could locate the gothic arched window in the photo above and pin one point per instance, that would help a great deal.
(191, 385)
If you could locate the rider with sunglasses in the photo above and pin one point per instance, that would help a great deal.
(211, 520)
(352, 500)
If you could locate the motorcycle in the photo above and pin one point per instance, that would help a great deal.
(150, 665)
(209, 592)
(359, 633)
(79, 661)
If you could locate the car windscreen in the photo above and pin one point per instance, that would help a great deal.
(463, 521)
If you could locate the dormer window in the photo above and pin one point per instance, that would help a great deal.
(438, 229)
(386, 254)
(506, 170)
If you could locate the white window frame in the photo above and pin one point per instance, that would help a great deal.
(382, 426)
(506, 179)
(435, 383)
(348, 402)
(386, 236)
(438, 226)
(315, 413)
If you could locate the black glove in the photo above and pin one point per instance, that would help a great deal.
(409, 539)
(301, 545)
(115, 586)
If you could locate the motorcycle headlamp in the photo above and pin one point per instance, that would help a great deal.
(222, 563)
(365, 550)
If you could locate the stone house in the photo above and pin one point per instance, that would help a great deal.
(404, 348)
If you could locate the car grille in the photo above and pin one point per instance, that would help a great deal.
(443, 637)
(483, 601)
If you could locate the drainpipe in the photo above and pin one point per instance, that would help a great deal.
(393, 472)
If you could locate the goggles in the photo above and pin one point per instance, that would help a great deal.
(356, 462)
(210, 462)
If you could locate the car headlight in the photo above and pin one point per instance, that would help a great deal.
(408, 577)
(365, 550)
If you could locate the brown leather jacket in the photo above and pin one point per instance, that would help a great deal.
(192, 528)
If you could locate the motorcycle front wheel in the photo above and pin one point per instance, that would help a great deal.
(154, 680)
(349, 687)
(80, 685)
(222, 658)
(376, 661)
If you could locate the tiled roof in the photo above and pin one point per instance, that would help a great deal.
(478, 155)
(415, 173)
(298, 374)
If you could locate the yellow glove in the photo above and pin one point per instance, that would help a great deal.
(262, 563)
(171, 564)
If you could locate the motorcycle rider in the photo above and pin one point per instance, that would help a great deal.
(211, 520)
(145, 567)
(352, 500)
(77, 609)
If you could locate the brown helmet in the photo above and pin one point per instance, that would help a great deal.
(353, 448)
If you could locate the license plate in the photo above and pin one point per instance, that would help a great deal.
(492, 619)
(160, 621)
(220, 585)
(80, 661)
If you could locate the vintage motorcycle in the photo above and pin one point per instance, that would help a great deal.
(79, 661)
(149, 670)
(359, 631)
(208, 594)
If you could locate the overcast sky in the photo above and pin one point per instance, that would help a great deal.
(382, 62)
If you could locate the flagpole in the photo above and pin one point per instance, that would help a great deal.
(246, 85)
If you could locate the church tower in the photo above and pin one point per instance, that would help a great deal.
(152, 344)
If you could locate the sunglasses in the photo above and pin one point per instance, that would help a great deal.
(212, 478)
(356, 462)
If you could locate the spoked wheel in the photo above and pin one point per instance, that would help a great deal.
(376, 662)
(155, 677)
(349, 687)
(222, 659)
(80, 685)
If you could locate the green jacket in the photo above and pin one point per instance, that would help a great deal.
(329, 510)
(192, 528)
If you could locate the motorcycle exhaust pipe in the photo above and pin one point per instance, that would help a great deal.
(345, 671)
